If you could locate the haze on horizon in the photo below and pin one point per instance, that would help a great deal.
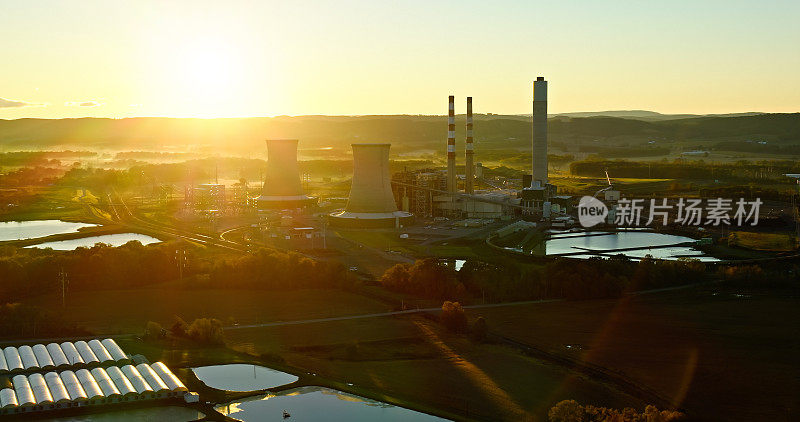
(246, 58)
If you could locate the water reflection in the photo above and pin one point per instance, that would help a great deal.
(648, 243)
(22, 230)
(318, 404)
(168, 413)
(242, 377)
(110, 239)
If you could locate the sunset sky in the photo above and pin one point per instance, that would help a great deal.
(236, 58)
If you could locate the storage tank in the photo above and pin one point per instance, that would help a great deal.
(110, 390)
(23, 390)
(121, 381)
(152, 378)
(57, 388)
(40, 390)
(115, 351)
(90, 386)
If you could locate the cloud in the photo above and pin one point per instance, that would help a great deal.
(82, 104)
(4, 103)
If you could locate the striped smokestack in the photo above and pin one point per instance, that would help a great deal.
(451, 145)
(469, 186)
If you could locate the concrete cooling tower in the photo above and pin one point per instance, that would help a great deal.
(282, 188)
(371, 203)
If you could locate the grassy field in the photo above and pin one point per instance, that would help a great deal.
(414, 360)
(127, 311)
(777, 242)
(720, 355)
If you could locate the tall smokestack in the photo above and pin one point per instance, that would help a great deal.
(539, 149)
(451, 145)
(469, 187)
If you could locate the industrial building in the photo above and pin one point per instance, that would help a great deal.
(282, 185)
(70, 375)
(371, 201)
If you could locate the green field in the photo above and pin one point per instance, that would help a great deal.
(720, 355)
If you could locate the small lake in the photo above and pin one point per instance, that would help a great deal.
(242, 377)
(22, 230)
(649, 243)
(162, 413)
(118, 239)
(318, 404)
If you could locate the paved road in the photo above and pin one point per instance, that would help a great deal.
(383, 314)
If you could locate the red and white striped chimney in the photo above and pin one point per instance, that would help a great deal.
(469, 186)
(451, 145)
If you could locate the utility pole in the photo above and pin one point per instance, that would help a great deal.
(62, 276)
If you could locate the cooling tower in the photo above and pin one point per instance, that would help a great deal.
(539, 133)
(282, 186)
(371, 202)
(469, 186)
(451, 145)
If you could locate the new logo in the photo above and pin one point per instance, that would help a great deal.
(591, 211)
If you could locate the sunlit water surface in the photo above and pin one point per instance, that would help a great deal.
(318, 404)
(22, 230)
(648, 242)
(118, 239)
(242, 377)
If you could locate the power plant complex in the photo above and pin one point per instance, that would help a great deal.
(379, 199)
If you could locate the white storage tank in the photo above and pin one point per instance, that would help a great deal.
(3, 364)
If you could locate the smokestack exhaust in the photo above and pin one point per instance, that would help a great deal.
(469, 186)
(451, 145)
(539, 142)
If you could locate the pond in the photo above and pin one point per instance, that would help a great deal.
(318, 404)
(118, 239)
(168, 413)
(646, 243)
(22, 230)
(242, 377)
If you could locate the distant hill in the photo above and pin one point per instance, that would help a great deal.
(406, 133)
(648, 115)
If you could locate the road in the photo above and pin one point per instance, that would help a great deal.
(384, 314)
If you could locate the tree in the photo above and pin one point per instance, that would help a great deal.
(479, 330)
(567, 411)
(153, 330)
(453, 317)
(206, 331)
(178, 328)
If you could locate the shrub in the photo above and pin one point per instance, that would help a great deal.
(453, 317)
(206, 331)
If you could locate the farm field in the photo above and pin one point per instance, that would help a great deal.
(719, 355)
(127, 311)
(413, 360)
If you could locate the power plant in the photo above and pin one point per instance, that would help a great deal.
(469, 170)
(451, 145)
(282, 187)
(371, 202)
(538, 195)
